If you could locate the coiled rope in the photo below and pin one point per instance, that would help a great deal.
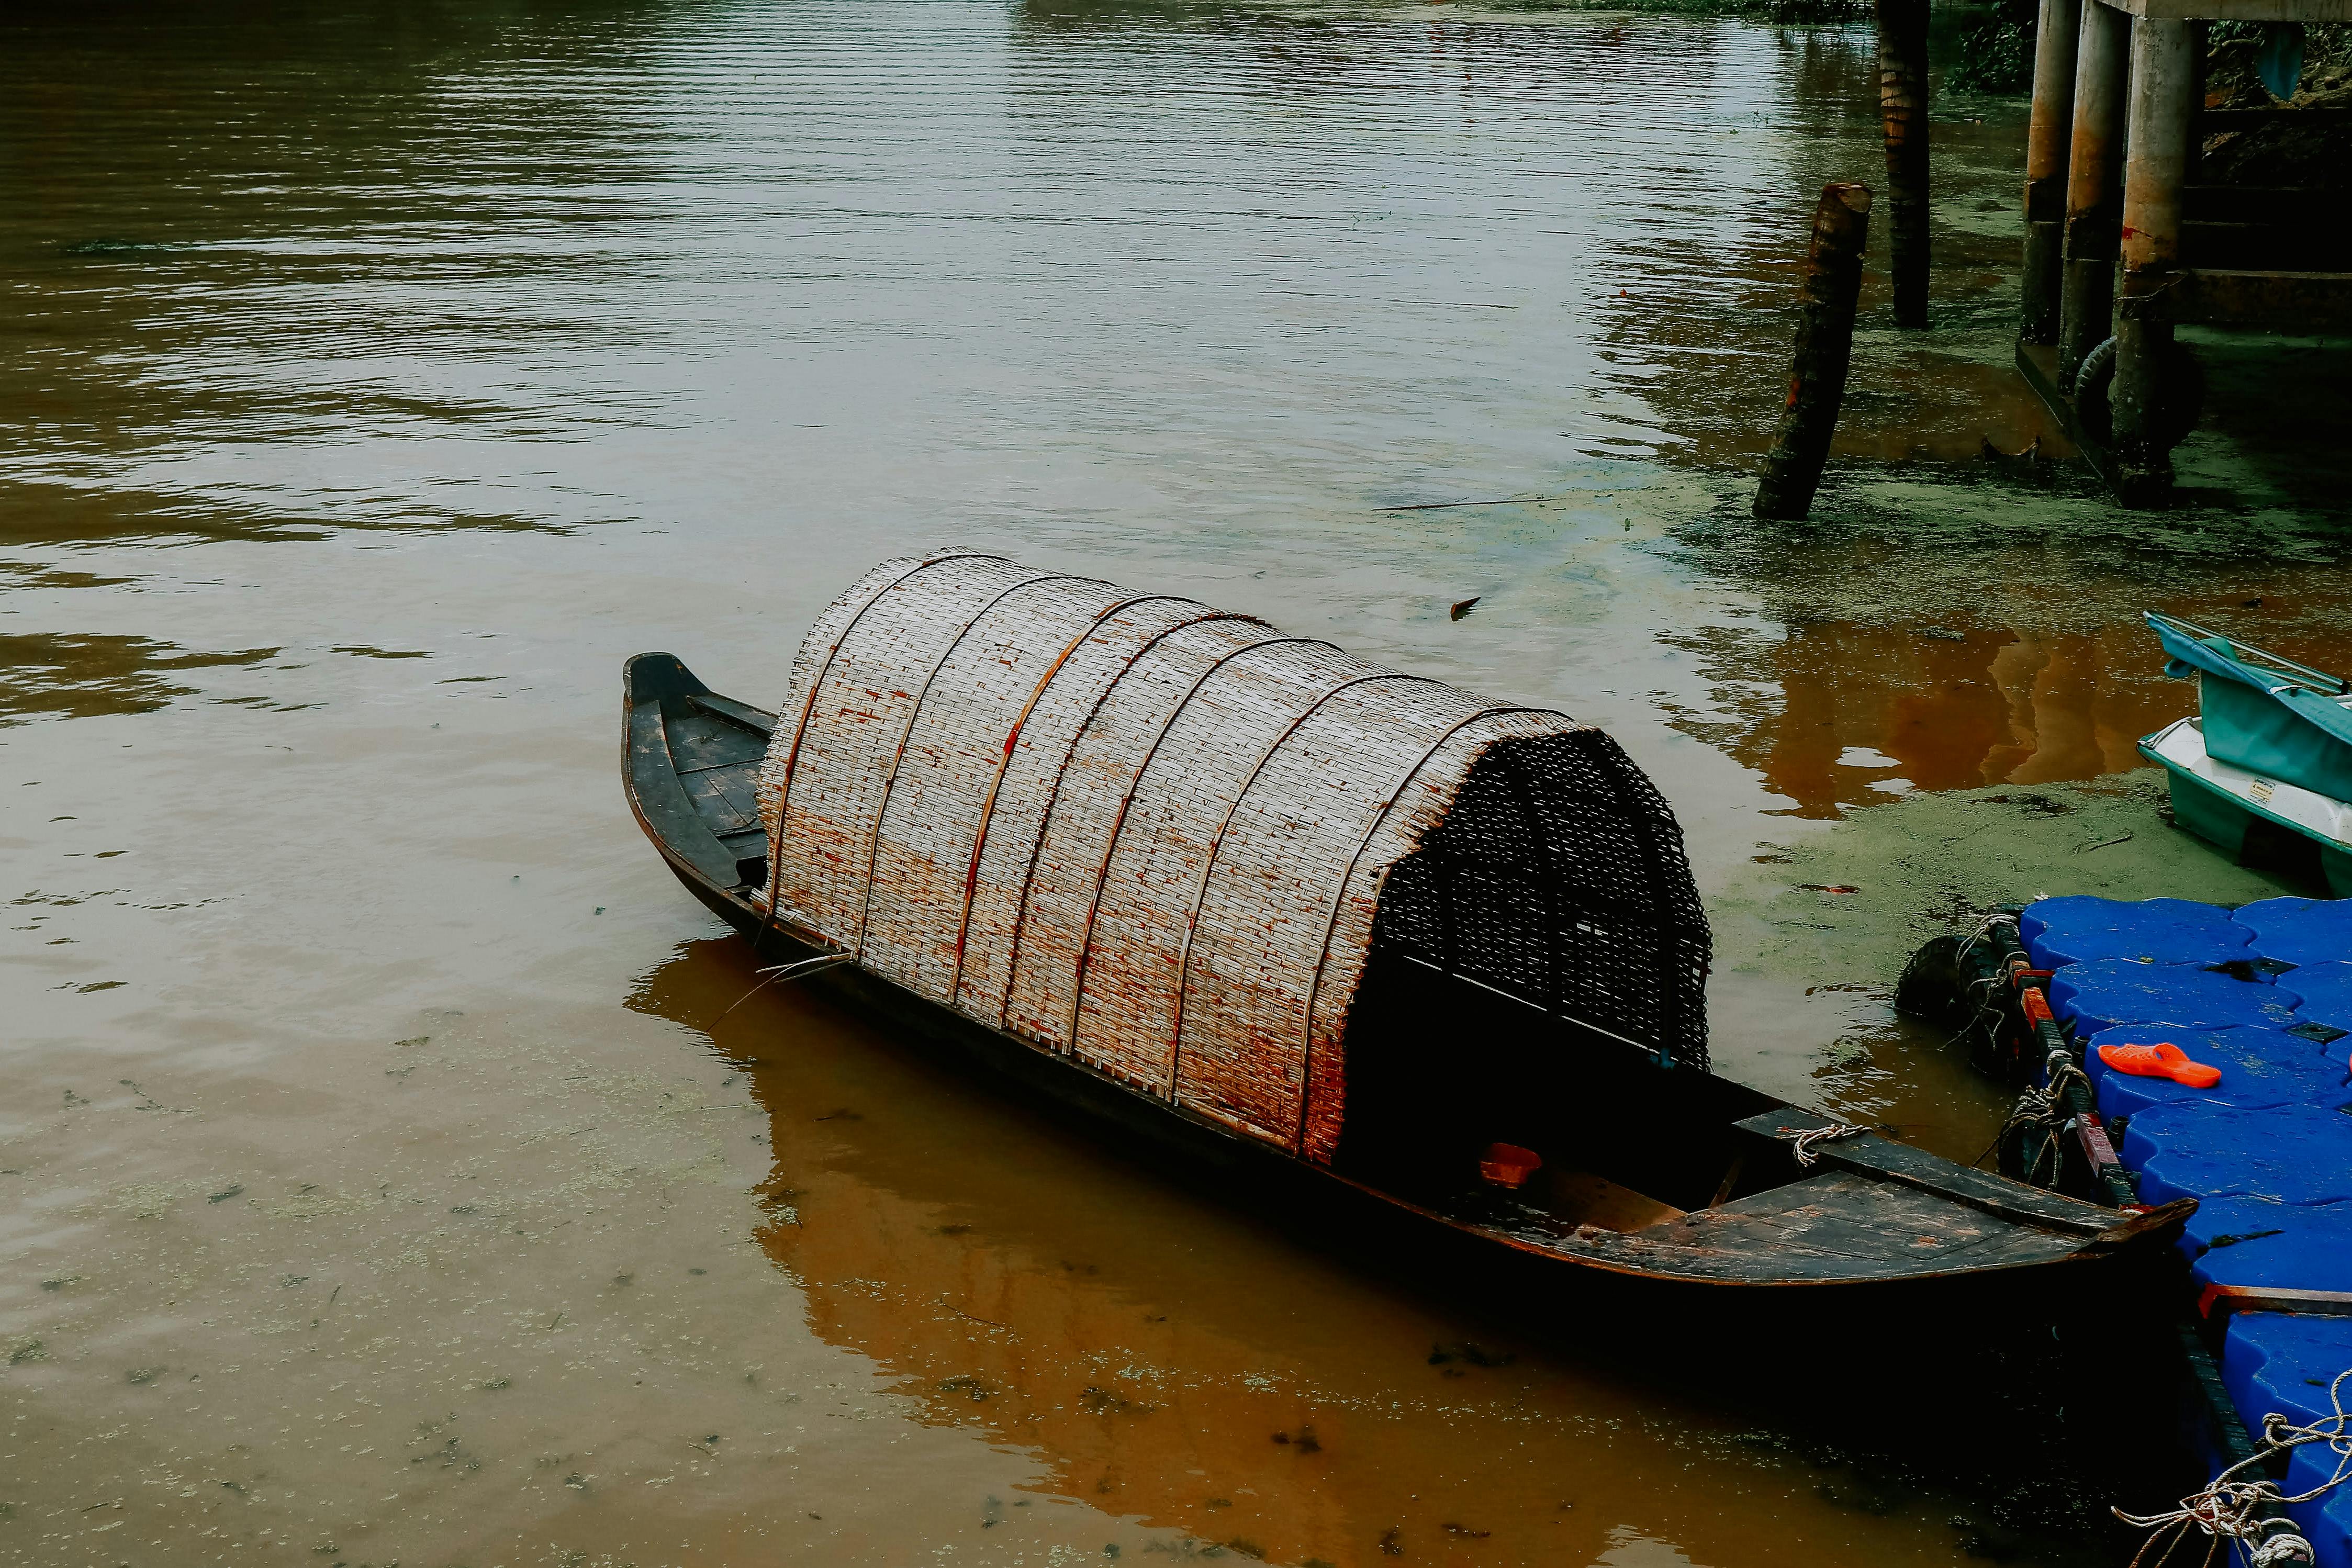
(1984, 929)
(1806, 1145)
(2043, 1111)
(2230, 1509)
(1984, 1018)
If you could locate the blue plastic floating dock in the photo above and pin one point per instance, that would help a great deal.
(2108, 992)
(2165, 943)
(2267, 1151)
(2254, 1242)
(2299, 930)
(2291, 1154)
(2083, 912)
(2259, 1067)
(2286, 1362)
(2060, 932)
(2326, 990)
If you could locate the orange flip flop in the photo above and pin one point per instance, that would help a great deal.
(2164, 1060)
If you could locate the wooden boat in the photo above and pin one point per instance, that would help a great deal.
(1284, 911)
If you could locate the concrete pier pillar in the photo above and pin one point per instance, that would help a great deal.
(2055, 37)
(2094, 184)
(2163, 99)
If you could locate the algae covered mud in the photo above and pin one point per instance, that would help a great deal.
(395, 1166)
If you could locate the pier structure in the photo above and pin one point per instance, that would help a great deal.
(2126, 241)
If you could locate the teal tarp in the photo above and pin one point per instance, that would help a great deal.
(2261, 719)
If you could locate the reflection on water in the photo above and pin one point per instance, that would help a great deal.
(385, 373)
(81, 676)
(1840, 713)
(1834, 714)
(218, 285)
(1173, 1360)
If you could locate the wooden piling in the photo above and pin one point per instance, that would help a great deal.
(2054, 39)
(1792, 471)
(2163, 98)
(2094, 186)
(1903, 107)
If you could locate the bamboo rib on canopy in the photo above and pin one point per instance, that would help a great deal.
(1169, 841)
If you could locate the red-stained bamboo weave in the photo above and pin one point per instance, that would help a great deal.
(1162, 839)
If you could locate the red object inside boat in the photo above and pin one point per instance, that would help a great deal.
(1509, 1165)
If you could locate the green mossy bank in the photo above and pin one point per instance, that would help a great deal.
(1933, 863)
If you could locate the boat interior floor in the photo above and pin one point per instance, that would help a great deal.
(1829, 1224)
(1663, 1169)
(1558, 1197)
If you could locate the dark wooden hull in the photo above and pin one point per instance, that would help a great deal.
(689, 757)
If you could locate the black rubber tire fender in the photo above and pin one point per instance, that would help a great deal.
(2094, 382)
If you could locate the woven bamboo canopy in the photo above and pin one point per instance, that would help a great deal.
(1169, 841)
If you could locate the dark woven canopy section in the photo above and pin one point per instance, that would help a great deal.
(1559, 879)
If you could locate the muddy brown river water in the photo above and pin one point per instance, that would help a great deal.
(392, 1167)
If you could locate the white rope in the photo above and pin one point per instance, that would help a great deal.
(805, 966)
(1806, 1145)
(2046, 1109)
(1984, 929)
(2233, 1510)
(1979, 991)
(2285, 1547)
(776, 972)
